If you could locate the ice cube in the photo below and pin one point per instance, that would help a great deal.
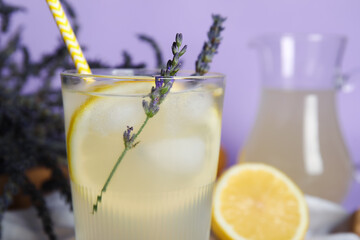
(196, 105)
(178, 155)
(114, 116)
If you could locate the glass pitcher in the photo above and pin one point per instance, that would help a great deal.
(296, 129)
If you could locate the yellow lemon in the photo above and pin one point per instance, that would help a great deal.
(258, 202)
(97, 125)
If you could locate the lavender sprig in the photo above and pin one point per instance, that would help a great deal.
(210, 47)
(164, 82)
(157, 95)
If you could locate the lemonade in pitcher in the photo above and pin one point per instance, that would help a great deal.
(296, 129)
(162, 189)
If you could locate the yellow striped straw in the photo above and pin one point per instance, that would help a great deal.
(68, 36)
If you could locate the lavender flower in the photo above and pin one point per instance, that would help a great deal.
(210, 47)
(164, 82)
(129, 139)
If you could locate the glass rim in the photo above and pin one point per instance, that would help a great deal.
(74, 73)
(311, 36)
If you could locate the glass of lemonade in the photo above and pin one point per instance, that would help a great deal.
(162, 188)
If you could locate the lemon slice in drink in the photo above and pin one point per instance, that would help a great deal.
(94, 138)
(258, 202)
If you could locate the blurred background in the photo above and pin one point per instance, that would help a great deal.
(109, 27)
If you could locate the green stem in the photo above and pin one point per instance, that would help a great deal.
(99, 197)
(142, 127)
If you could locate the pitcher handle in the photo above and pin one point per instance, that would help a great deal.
(345, 83)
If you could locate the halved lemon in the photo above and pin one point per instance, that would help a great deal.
(258, 202)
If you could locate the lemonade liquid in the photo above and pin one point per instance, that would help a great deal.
(162, 189)
(297, 131)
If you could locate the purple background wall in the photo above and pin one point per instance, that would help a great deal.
(109, 26)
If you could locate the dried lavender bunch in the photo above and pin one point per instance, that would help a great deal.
(210, 47)
(158, 54)
(57, 180)
(6, 12)
(163, 84)
(128, 62)
(31, 141)
(38, 202)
